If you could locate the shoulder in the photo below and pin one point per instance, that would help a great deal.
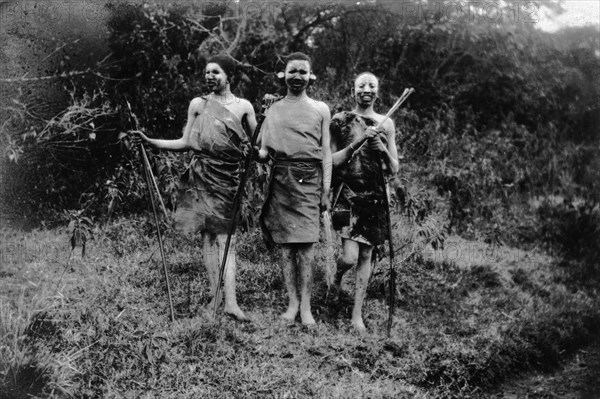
(245, 107)
(322, 108)
(388, 125)
(342, 116)
(278, 104)
(197, 103)
(245, 104)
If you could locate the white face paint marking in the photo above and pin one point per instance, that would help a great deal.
(297, 74)
(216, 78)
(366, 88)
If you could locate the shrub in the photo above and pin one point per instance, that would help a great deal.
(572, 228)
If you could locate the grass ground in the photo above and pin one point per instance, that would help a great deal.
(576, 378)
(468, 317)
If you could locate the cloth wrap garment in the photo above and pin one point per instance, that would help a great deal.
(359, 213)
(209, 184)
(292, 134)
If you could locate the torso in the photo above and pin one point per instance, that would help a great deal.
(293, 129)
(217, 129)
(237, 106)
(359, 213)
(361, 173)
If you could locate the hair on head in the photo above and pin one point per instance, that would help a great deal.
(298, 55)
(366, 73)
(225, 62)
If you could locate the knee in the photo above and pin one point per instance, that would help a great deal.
(347, 260)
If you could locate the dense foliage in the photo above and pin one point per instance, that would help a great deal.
(502, 114)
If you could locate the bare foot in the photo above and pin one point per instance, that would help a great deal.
(290, 314)
(358, 325)
(307, 318)
(236, 313)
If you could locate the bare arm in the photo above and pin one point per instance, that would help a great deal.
(266, 103)
(263, 152)
(182, 143)
(250, 117)
(327, 157)
(342, 156)
(391, 152)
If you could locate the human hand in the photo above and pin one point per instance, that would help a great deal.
(376, 145)
(137, 137)
(369, 133)
(268, 100)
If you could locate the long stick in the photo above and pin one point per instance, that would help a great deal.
(162, 204)
(329, 251)
(158, 233)
(237, 200)
(403, 97)
(391, 246)
(149, 180)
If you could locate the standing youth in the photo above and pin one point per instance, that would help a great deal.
(215, 132)
(360, 214)
(295, 135)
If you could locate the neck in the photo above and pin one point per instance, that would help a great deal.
(224, 93)
(362, 110)
(296, 96)
(223, 96)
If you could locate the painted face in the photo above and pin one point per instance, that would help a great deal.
(366, 87)
(297, 74)
(215, 77)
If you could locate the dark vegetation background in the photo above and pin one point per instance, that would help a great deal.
(503, 125)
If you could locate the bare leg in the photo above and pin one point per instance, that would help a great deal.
(306, 260)
(290, 275)
(231, 306)
(347, 259)
(363, 273)
(210, 256)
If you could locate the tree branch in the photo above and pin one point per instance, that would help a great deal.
(238, 34)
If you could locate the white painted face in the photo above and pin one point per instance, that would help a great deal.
(366, 88)
(297, 75)
(216, 78)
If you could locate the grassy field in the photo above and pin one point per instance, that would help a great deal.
(468, 317)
